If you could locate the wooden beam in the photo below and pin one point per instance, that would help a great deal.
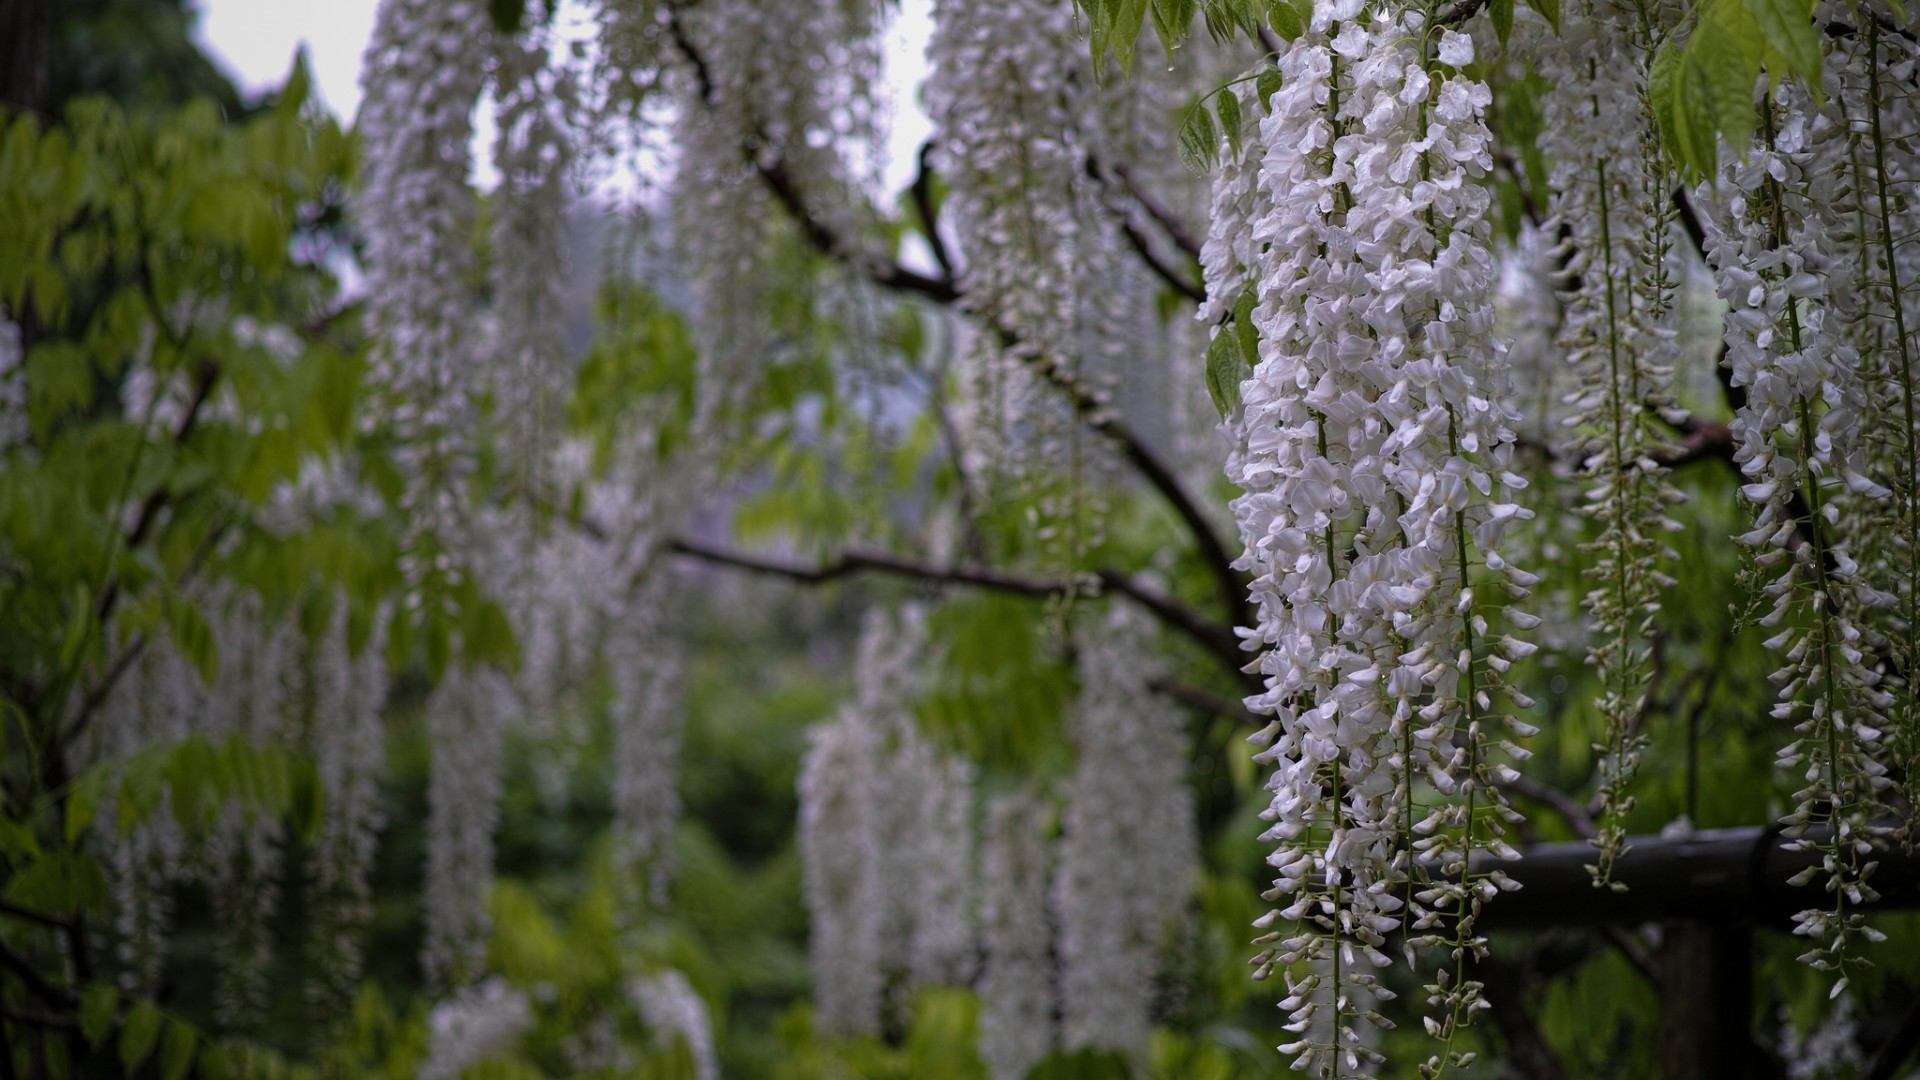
(1719, 876)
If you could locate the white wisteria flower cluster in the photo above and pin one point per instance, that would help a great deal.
(1612, 211)
(1375, 446)
(886, 842)
(1128, 848)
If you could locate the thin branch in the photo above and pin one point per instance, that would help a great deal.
(1161, 270)
(1215, 638)
(8, 907)
(1091, 407)
(1205, 702)
(1176, 229)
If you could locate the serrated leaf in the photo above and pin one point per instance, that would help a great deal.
(1265, 84)
(97, 1009)
(1223, 371)
(176, 1051)
(1501, 14)
(1285, 20)
(1228, 103)
(138, 1034)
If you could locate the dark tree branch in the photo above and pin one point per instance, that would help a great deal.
(1218, 640)
(1162, 214)
(1205, 702)
(922, 191)
(1177, 282)
(1091, 407)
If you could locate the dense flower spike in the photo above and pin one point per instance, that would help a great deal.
(463, 804)
(1612, 209)
(669, 1005)
(1776, 239)
(1375, 459)
(415, 211)
(480, 1022)
(1001, 96)
(838, 850)
(1017, 997)
(346, 694)
(1128, 853)
(649, 716)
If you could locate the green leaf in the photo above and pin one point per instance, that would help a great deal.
(176, 1051)
(1228, 103)
(138, 1034)
(192, 637)
(1662, 76)
(1264, 85)
(1199, 143)
(1245, 334)
(83, 802)
(1223, 371)
(1129, 18)
(1284, 20)
(97, 1008)
(1501, 12)
(1549, 10)
(1787, 28)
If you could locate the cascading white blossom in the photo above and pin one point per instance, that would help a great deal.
(14, 428)
(886, 839)
(648, 719)
(1017, 997)
(415, 210)
(481, 1022)
(1871, 78)
(150, 706)
(249, 700)
(1376, 464)
(780, 90)
(1775, 241)
(1612, 209)
(669, 1005)
(533, 150)
(1001, 99)
(346, 695)
(1129, 850)
(838, 852)
(944, 946)
(464, 724)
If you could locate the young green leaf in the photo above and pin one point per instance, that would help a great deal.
(1228, 103)
(176, 1051)
(1285, 20)
(97, 1009)
(1265, 84)
(1501, 13)
(138, 1034)
(1223, 371)
(1787, 27)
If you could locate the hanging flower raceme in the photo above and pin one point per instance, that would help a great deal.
(649, 717)
(464, 723)
(1001, 97)
(838, 851)
(669, 1005)
(346, 692)
(1016, 980)
(1612, 210)
(1128, 850)
(1375, 465)
(1776, 240)
(415, 212)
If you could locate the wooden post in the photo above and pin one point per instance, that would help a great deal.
(1706, 1000)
